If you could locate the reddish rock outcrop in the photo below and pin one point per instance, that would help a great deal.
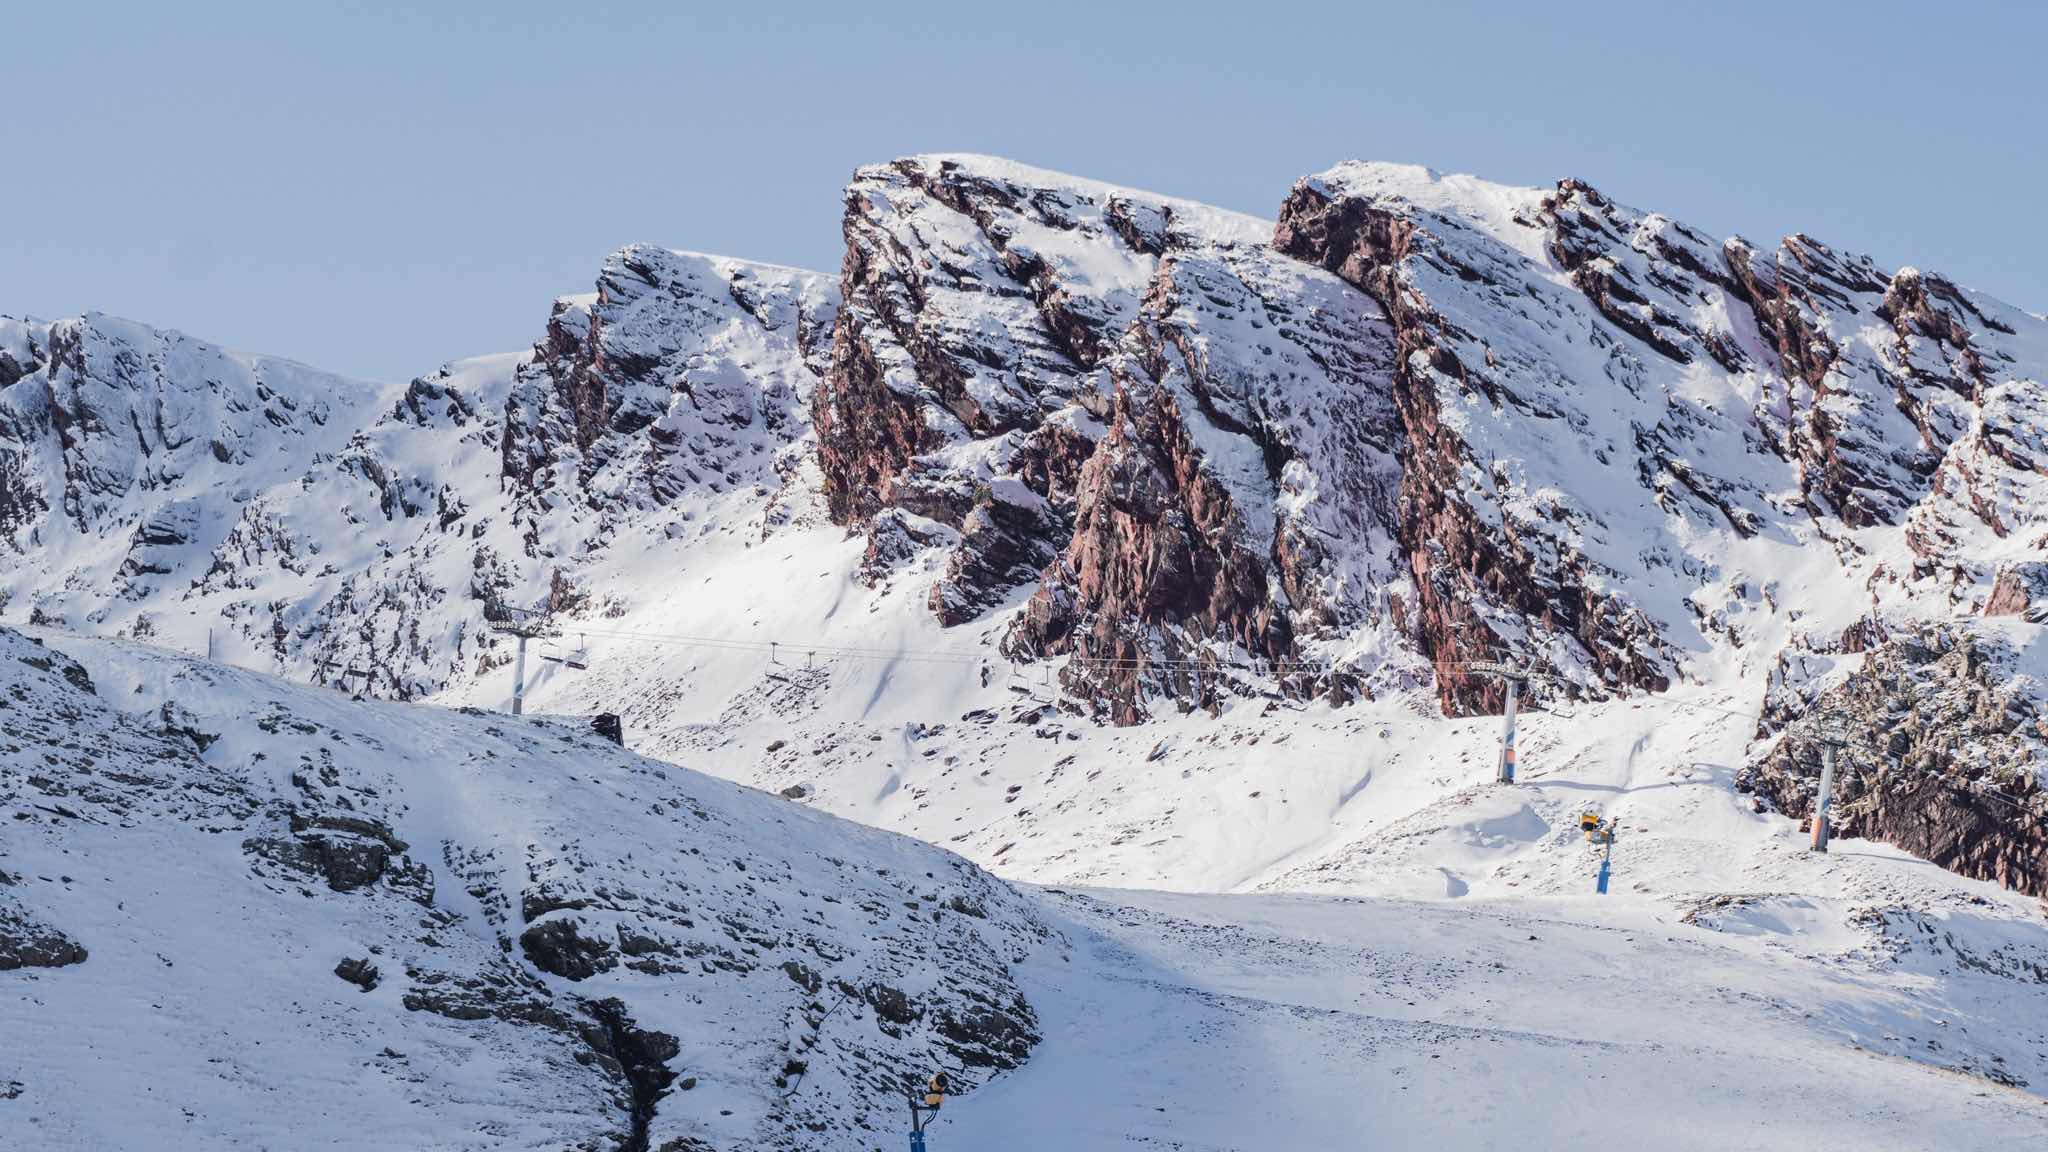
(2020, 590)
(1183, 438)
(1946, 745)
(1473, 571)
(1152, 573)
(683, 372)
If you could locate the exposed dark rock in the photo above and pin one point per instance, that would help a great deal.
(180, 723)
(802, 974)
(345, 862)
(636, 943)
(359, 972)
(891, 1005)
(1943, 760)
(639, 1055)
(1681, 265)
(73, 672)
(27, 943)
(1004, 543)
(560, 947)
(348, 852)
(538, 901)
(986, 1036)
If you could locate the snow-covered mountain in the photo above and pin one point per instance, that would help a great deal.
(1622, 433)
(369, 537)
(1102, 538)
(1158, 455)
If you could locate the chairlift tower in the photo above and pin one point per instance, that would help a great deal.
(1514, 675)
(1831, 741)
(526, 624)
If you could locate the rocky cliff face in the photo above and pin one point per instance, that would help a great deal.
(1179, 436)
(1503, 299)
(1944, 737)
(683, 374)
(1688, 396)
(361, 535)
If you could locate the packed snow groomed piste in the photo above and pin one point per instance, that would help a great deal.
(1066, 652)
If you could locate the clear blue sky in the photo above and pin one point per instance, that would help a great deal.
(376, 189)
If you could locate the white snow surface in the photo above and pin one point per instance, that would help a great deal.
(208, 1012)
(1285, 923)
(1465, 991)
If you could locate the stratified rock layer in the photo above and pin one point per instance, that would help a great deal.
(1134, 402)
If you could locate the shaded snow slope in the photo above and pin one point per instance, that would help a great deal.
(560, 933)
(1235, 1022)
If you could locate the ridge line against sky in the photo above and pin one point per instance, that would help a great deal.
(379, 189)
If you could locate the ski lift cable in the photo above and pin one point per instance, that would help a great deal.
(969, 658)
(957, 657)
(973, 657)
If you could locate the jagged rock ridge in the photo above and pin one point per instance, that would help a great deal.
(1131, 401)
(363, 535)
(1800, 396)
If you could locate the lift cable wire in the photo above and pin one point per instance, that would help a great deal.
(960, 657)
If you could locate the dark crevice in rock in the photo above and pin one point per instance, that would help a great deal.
(638, 1055)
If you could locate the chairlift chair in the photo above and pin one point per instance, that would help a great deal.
(577, 657)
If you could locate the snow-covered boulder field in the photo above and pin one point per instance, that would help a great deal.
(239, 912)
